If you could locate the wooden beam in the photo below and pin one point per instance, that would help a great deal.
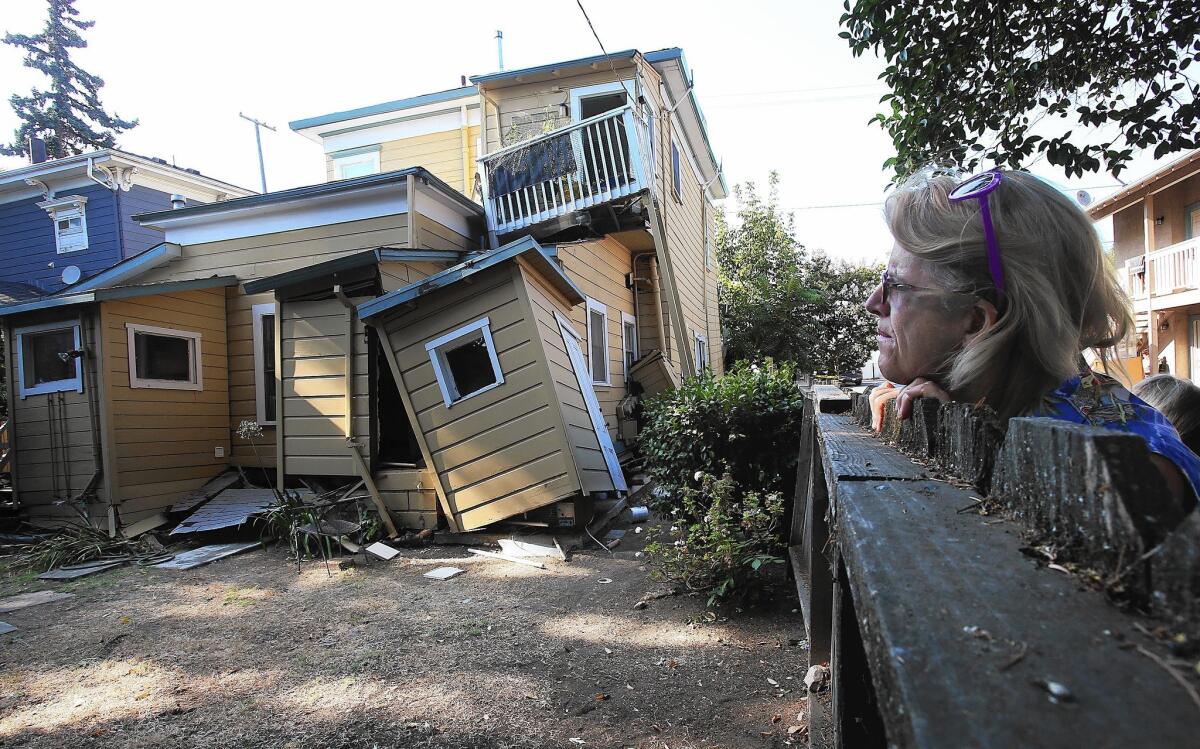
(674, 307)
(365, 473)
(411, 412)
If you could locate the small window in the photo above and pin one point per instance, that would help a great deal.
(70, 229)
(465, 362)
(1191, 226)
(676, 177)
(590, 106)
(48, 358)
(629, 342)
(263, 317)
(700, 352)
(164, 358)
(356, 163)
(597, 339)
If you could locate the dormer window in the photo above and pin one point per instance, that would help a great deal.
(69, 215)
(356, 162)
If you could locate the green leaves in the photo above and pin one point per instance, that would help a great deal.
(964, 73)
(779, 301)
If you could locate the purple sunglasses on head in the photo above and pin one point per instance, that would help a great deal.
(978, 187)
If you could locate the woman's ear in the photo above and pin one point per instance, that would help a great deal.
(983, 317)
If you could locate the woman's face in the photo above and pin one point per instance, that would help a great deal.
(920, 324)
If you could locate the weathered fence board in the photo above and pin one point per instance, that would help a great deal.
(946, 604)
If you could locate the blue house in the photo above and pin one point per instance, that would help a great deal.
(68, 219)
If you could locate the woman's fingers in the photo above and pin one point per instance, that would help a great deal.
(918, 388)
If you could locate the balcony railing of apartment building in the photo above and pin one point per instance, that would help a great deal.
(585, 164)
(1174, 269)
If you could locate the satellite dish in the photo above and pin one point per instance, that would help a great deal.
(1083, 198)
(71, 274)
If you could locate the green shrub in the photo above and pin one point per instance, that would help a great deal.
(728, 546)
(744, 428)
(746, 423)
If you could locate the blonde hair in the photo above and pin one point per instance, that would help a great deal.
(1178, 400)
(1061, 296)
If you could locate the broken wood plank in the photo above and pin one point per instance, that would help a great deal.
(36, 598)
(145, 525)
(506, 558)
(192, 499)
(365, 473)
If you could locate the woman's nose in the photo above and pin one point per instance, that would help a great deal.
(874, 303)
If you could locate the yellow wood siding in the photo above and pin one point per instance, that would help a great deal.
(598, 268)
(165, 440)
(441, 153)
(313, 381)
(499, 452)
(53, 434)
(590, 465)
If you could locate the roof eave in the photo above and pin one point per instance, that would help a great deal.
(1136, 192)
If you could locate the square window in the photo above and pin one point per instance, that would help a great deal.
(263, 318)
(47, 360)
(355, 163)
(465, 362)
(164, 358)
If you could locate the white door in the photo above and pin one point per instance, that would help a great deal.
(583, 377)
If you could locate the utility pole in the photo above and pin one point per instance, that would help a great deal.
(262, 170)
(500, 47)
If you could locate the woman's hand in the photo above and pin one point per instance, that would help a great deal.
(918, 388)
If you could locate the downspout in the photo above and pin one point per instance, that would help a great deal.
(655, 286)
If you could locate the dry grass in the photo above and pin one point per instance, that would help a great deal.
(246, 653)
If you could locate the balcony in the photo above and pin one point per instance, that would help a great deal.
(585, 165)
(1174, 269)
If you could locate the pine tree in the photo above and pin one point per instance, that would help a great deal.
(69, 115)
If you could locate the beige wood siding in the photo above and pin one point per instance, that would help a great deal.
(243, 378)
(441, 153)
(165, 441)
(500, 452)
(410, 496)
(53, 434)
(585, 447)
(598, 268)
(313, 382)
(394, 275)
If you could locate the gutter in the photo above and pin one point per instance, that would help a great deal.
(155, 257)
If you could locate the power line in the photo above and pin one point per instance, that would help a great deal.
(797, 90)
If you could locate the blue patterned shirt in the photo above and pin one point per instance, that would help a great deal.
(1099, 400)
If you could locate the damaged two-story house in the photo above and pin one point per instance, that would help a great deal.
(462, 317)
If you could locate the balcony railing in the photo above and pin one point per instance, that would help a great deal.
(1174, 269)
(585, 164)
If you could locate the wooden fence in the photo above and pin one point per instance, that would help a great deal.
(948, 620)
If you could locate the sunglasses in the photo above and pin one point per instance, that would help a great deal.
(891, 286)
(978, 188)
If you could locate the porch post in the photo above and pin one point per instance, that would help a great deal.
(1149, 247)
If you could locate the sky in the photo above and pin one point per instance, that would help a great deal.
(780, 90)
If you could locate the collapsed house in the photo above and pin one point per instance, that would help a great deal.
(469, 362)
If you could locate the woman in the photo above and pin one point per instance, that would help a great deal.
(995, 286)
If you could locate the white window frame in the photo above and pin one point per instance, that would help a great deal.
(676, 170)
(577, 95)
(66, 215)
(593, 304)
(700, 351)
(194, 358)
(368, 155)
(628, 319)
(441, 368)
(57, 386)
(257, 313)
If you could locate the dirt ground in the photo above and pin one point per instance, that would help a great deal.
(246, 653)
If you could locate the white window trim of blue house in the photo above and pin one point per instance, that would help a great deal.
(65, 209)
(441, 367)
(57, 386)
(366, 159)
